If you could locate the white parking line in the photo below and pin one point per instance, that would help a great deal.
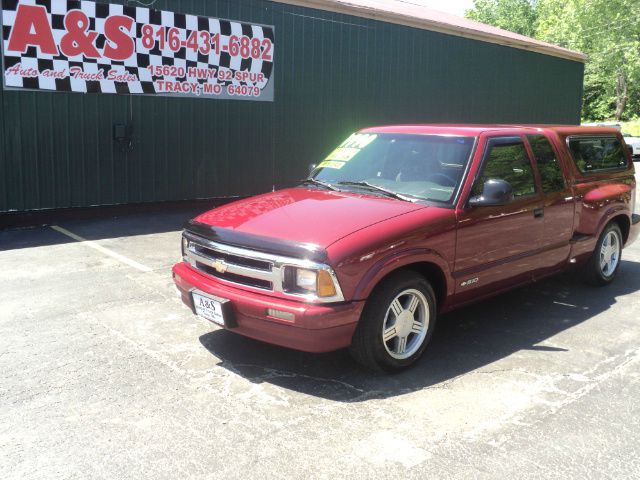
(101, 249)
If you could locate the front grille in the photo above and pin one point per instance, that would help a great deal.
(232, 277)
(232, 264)
(234, 259)
(251, 268)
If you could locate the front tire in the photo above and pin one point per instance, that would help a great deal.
(396, 324)
(605, 260)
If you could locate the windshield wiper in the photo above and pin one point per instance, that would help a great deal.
(378, 188)
(313, 181)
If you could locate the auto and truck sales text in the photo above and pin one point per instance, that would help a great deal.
(32, 28)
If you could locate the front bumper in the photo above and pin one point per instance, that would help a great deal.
(314, 328)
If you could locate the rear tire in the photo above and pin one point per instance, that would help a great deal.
(396, 324)
(604, 263)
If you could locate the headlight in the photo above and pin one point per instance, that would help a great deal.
(307, 281)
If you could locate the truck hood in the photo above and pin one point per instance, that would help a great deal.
(305, 215)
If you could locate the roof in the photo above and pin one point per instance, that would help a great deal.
(475, 130)
(417, 16)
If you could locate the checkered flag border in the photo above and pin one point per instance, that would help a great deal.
(136, 65)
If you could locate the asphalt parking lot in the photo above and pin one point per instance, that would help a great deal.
(105, 374)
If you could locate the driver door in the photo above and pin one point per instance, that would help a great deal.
(497, 247)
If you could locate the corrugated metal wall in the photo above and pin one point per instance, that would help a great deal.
(334, 74)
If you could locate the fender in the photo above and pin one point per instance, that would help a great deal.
(388, 264)
(584, 245)
(611, 214)
(616, 191)
(600, 205)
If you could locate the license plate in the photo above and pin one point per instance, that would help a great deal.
(209, 308)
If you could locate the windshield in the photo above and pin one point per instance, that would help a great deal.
(418, 167)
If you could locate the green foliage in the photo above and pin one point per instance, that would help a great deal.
(518, 16)
(631, 127)
(550, 173)
(607, 31)
(509, 163)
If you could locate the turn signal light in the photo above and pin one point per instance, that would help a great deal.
(326, 287)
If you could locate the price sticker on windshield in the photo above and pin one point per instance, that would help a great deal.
(351, 147)
(331, 164)
(359, 140)
(343, 154)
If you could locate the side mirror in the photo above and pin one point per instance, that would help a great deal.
(494, 192)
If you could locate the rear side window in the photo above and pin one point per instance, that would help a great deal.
(509, 162)
(593, 154)
(550, 173)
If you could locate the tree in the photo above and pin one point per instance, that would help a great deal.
(519, 16)
(607, 31)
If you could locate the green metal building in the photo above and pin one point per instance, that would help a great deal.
(336, 67)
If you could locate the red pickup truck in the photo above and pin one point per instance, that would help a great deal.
(402, 223)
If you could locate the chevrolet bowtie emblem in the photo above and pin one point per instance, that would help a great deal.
(220, 266)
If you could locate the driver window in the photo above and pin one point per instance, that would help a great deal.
(509, 162)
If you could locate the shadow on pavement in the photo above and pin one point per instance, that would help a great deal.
(129, 225)
(465, 340)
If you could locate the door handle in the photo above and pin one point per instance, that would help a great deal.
(538, 213)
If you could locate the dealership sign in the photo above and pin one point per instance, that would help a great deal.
(87, 47)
